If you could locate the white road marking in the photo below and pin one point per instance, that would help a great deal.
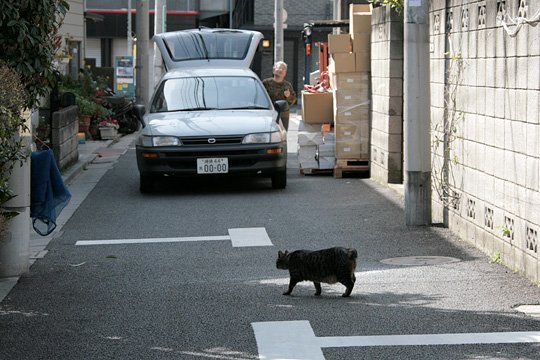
(296, 340)
(239, 238)
(249, 237)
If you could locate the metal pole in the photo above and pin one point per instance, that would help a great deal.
(417, 114)
(129, 38)
(230, 14)
(278, 31)
(337, 15)
(158, 28)
(143, 39)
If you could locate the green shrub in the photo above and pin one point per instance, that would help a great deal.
(28, 30)
(13, 98)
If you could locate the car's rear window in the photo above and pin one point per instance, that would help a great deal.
(208, 45)
(209, 93)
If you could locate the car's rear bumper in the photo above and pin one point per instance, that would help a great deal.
(264, 160)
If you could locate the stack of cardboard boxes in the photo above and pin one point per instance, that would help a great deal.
(349, 72)
(336, 123)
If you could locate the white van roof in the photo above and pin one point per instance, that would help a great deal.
(208, 47)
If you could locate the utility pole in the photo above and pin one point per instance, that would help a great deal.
(159, 27)
(278, 31)
(230, 14)
(15, 241)
(417, 114)
(143, 39)
(129, 37)
(336, 15)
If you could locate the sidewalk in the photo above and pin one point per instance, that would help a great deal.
(95, 158)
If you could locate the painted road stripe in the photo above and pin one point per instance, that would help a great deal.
(239, 238)
(296, 340)
(151, 240)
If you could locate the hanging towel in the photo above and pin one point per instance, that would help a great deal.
(49, 195)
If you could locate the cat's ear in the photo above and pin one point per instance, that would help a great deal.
(286, 253)
(280, 253)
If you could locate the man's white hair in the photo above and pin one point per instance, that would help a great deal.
(280, 63)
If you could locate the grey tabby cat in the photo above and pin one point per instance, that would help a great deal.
(330, 266)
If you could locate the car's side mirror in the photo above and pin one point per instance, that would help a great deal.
(140, 110)
(281, 106)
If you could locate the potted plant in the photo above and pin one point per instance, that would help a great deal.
(86, 111)
(108, 128)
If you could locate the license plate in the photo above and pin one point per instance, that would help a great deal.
(213, 166)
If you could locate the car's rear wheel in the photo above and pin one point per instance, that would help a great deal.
(279, 180)
(146, 183)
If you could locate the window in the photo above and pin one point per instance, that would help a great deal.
(200, 93)
(205, 45)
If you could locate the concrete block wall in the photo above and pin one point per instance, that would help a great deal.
(489, 89)
(387, 96)
(65, 125)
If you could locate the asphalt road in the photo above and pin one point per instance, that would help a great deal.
(201, 299)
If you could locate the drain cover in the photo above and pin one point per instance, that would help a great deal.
(420, 260)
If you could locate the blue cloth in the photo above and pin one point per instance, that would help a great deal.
(49, 195)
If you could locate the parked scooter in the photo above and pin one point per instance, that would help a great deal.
(124, 110)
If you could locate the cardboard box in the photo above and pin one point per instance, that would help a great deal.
(348, 150)
(351, 114)
(339, 43)
(360, 8)
(361, 42)
(362, 61)
(351, 97)
(352, 141)
(317, 108)
(343, 62)
(360, 18)
(348, 132)
(352, 80)
(360, 23)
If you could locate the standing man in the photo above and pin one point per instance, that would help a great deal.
(280, 89)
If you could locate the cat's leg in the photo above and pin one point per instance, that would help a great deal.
(292, 284)
(349, 284)
(317, 288)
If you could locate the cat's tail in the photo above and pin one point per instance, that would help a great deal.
(353, 254)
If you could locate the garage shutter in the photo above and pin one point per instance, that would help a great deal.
(93, 50)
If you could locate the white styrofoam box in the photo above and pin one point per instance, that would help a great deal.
(329, 138)
(327, 162)
(307, 157)
(309, 138)
(325, 150)
(303, 126)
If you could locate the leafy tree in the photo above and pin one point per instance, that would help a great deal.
(28, 40)
(397, 5)
(13, 97)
